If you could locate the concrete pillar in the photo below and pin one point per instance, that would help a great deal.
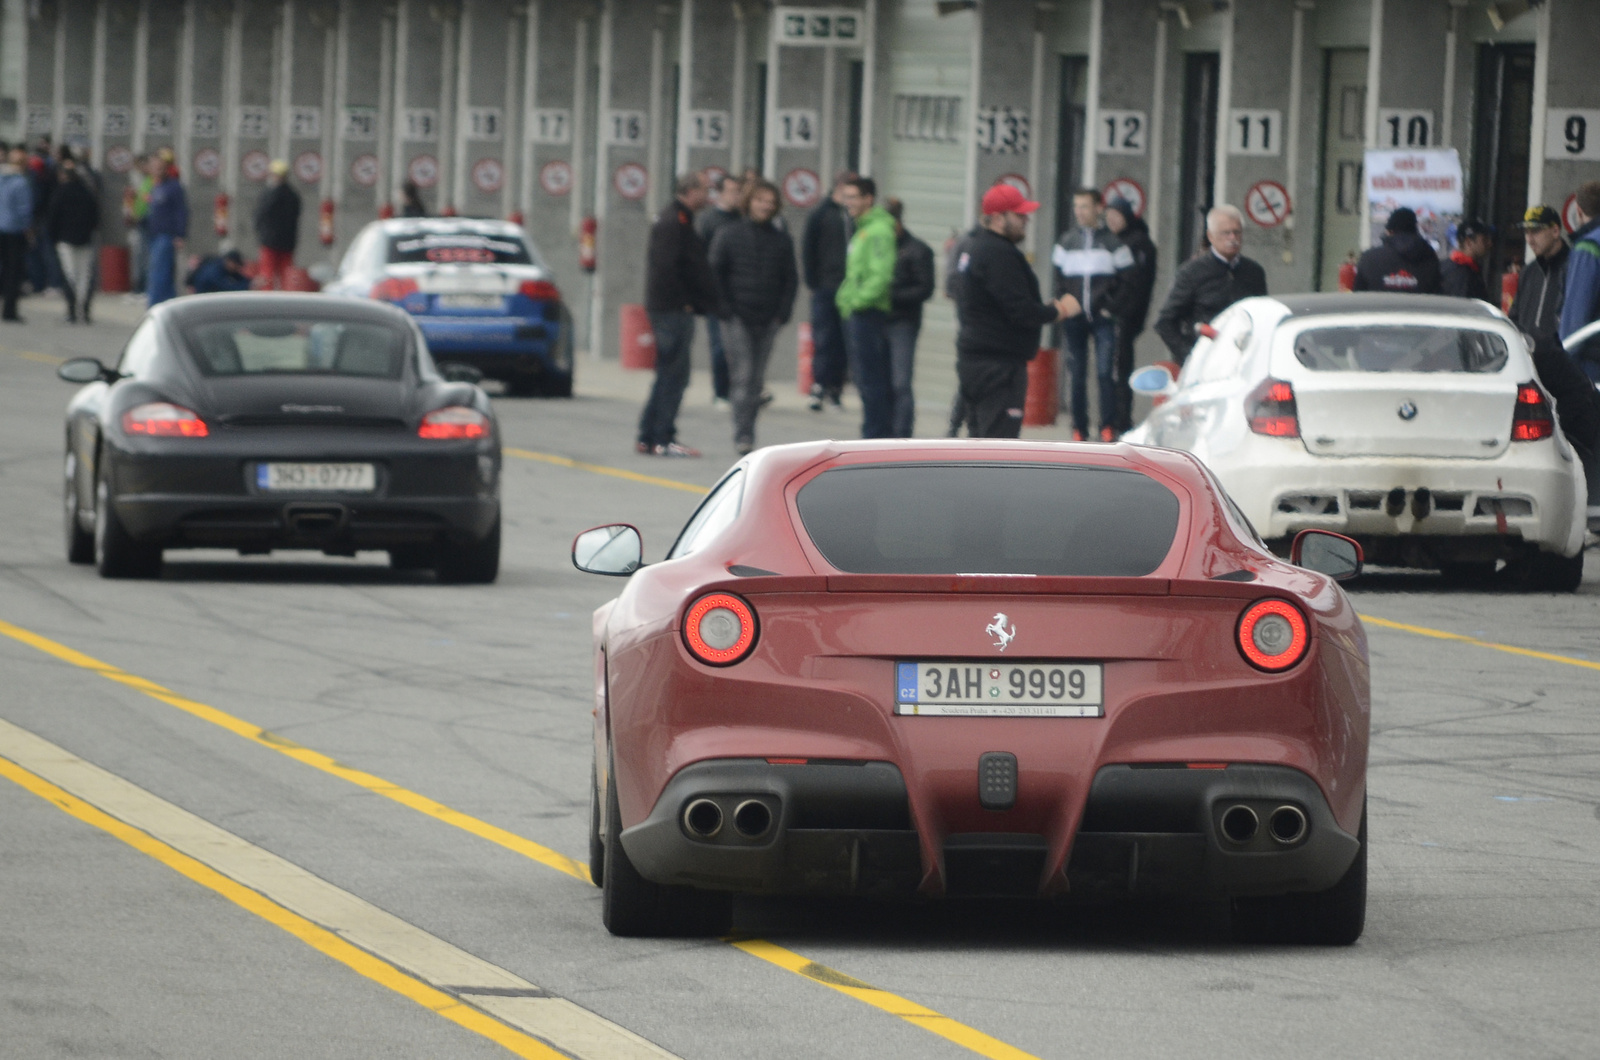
(1569, 119)
(709, 129)
(486, 73)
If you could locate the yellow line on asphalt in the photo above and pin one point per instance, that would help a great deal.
(317, 938)
(908, 1010)
(29, 355)
(603, 469)
(1511, 649)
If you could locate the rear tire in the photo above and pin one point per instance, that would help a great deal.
(1335, 917)
(633, 907)
(117, 554)
(556, 385)
(80, 542)
(1545, 572)
(597, 842)
(475, 563)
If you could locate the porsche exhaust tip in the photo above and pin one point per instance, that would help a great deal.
(752, 819)
(1239, 823)
(1287, 825)
(702, 818)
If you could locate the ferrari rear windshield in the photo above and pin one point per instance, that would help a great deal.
(1400, 348)
(237, 346)
(459, 248)
(970, 518)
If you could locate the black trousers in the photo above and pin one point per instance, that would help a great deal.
(995, 392)
(1127, 332)
(13, 261)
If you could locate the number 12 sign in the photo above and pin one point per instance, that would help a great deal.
(1122, 132)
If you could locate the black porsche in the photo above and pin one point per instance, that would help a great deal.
(280, 421)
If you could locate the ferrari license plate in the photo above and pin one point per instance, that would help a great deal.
(968, 688)
(336, 478)
(471, 301)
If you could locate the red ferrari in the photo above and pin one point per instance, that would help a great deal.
(978, 668)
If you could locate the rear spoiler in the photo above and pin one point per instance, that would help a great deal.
(987, 584)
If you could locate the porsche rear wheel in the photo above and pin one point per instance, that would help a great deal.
(475, 563)
(80, 542)
(116, 553)
(1335, 917)
(633, 907)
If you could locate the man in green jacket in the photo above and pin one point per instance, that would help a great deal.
(863, 301)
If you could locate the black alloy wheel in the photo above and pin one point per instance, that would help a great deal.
(117, 554)
(80, 542)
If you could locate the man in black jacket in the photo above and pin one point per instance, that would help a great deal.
(1537, 310)
(70, 223)
(1209, 282)
(822, 252)
(677, 286)
(1131, 302)
(724, 210)
(1000, 313)
(912, 285)
(277, 222)
(1404, 263)
(1461, 275)
(752, 264)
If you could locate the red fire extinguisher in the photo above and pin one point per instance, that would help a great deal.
(587, 233)
(1347, 274)
(325, 223)
(219, 214)
(386, 211)
(515, 217)
(1508, 287)
(448, 211)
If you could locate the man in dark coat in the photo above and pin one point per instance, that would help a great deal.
(912, 285)
(70, 223)
(677, 287)
(1403, 263)
(1537, 310)
(1461, 275)
(823, 247)
(752, 263)
(1131, 304)
(1000, 314)
(277, 227)
(1209, 282)
(724, 210)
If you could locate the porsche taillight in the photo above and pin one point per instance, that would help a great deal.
(1532, 420)
(454, 423)
(162, 419)
(1273, 635)
(719, 629)
(1272, 410)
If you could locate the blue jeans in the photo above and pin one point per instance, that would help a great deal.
(827, 341)
(902, 336)
(1075, 332)
(161, 283)
(865, 338)
(658, 424)
(719, 358)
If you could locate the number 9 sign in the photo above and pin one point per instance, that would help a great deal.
(1573, 135)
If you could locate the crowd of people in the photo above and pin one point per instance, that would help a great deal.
(49, 224)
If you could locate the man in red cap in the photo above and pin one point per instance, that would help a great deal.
(1001, 312)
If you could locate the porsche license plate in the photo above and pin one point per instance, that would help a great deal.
(331, 478)
(471, 301)
(969, 688)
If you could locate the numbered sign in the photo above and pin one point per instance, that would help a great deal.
(1255, 132)
(305, 123)
(255, 165)
(308, 167)
(556, 177)
(364, 170)
(816, 26)
(485, 123)
(116, 121)
(1267, 203)
(631, 181)
(360, 124)
(205, 121)
(488, 175)
(74, 123)
(1573, 134)
(208, 163)
(1125, 188)
(1002, 130)
(1122, 132)
(796, 127)
(423, 171)
(420, 123)
(1405, 128)
(42, 118)
(253, 123)
(709, 128)
(626, 127)
(157, 119)
(802, 188)
(550, 125)
(120, 158)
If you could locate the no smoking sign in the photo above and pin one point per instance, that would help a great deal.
(1267, 203)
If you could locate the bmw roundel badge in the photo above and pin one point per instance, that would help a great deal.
(1408, 411)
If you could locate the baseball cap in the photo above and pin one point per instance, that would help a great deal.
(1540, 217)
(1468, 229)
(279, 167)
(1003, 198)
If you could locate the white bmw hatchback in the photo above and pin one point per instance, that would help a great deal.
(1413, 423)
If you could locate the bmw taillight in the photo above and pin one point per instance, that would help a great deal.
(454, 423)
(1272, 409)
(719, 629)
(540, 291)
(1532, 419)
(162, 419)
(1273, 635)
(394, 289)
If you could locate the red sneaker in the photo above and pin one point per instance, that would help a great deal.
(1077, 435)
(1108, 434)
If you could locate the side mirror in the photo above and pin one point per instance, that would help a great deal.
(455, 372)
(86, 370)
(1154, 380)
(616, 550)
(1327, 553)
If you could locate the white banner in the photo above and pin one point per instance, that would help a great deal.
(1428, 182)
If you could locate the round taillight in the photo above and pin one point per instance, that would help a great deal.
(1273, 635)
(720, 629)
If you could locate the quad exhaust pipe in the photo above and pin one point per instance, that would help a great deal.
(752, 819)
(1287, 825)
(1240, 823)
(703, 818)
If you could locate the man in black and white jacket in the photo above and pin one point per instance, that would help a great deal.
(1088, 259)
